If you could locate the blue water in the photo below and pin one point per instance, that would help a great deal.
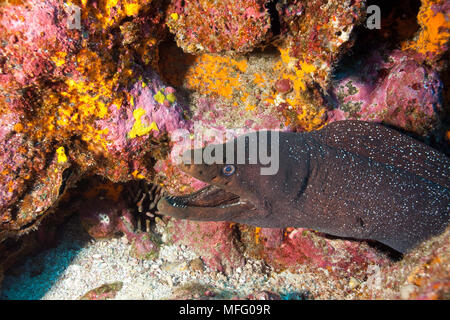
(38, 274)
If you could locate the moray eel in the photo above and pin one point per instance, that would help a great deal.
(351, 179)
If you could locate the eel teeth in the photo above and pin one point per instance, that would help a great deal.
(176, 202)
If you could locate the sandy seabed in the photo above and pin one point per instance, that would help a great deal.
(79, 264)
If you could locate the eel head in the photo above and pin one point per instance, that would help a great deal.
(222, 200)
(235, 193)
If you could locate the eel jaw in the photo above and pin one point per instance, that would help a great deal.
(208, 204)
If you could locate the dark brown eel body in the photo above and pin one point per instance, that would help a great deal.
(350, 179)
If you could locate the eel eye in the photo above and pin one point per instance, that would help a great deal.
(228, 170)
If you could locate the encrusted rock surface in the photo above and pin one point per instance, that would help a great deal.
(219, 26)
(390, 87)
(83, 111)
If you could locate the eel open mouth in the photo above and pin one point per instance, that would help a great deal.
(210, 203)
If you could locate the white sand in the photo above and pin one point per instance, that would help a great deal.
(79, 264)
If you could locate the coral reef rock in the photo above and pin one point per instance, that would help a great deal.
(233, 26)
(392, 88)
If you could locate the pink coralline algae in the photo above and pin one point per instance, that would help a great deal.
(144, 246)
(215, 242)
(56, 83)
(137, 132)
(106, 218)
(219, 26)
(154, 109)
(283, 85)
(104, 292)
(152, 114)
(214, 114)
(100, 218)
(288, 249)
(31, 52)
(395, 90)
